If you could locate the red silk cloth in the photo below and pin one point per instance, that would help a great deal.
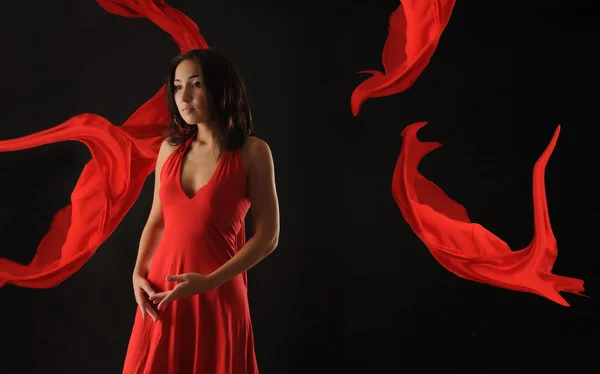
(464, 248)
(122, 158)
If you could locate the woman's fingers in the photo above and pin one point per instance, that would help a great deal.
(151, 312)
(144, 305)
(172, 295)
(159, 295)
(147, 288)
(140, 303)
(142, 310)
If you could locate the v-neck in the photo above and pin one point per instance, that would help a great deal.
(180, 173)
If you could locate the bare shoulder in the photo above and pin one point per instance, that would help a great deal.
(257, 153)
(163, 153)
(166, 148)
(255, 145)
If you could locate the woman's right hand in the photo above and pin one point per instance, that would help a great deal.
(142, 291)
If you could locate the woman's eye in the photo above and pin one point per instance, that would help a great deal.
(197, 84)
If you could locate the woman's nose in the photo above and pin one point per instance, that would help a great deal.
(186, 95)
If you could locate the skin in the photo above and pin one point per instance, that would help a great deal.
(198, 165)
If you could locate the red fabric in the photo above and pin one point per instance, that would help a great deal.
(414, 32)
(467, 249)
(464, 248)
(210, 332)
(122, 158)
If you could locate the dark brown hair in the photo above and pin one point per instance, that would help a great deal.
(226, 97)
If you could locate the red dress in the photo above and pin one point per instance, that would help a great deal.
(209, 332)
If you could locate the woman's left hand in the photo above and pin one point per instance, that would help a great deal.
(189, 284)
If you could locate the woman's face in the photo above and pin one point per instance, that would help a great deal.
(189, 93)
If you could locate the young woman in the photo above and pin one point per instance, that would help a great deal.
(190, 273)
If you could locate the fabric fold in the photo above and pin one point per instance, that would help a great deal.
(122, 159)
(468, 249)
(415, 29)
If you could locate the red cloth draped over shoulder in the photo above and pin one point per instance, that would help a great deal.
(122, 158)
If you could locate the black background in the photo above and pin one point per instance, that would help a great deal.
(350, 287)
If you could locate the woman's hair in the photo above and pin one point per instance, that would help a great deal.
(226, 99)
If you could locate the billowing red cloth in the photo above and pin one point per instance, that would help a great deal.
(414, 32)
(467, 249)
(122, 158)
(464, 248)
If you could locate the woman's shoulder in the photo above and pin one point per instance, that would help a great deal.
(255, 144)
(166, 148)
(256, 151)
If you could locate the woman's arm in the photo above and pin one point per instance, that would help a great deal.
(153, 229)
(265, 214)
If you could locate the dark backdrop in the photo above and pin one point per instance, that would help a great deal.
(350, 286)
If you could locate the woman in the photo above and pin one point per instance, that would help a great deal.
(190, 273)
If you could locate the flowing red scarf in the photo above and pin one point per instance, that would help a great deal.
(122, 158)
(464, 248)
